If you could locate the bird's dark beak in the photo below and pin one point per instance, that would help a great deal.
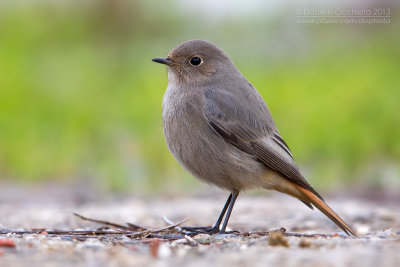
(163, 60)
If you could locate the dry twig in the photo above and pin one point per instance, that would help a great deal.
(130, 227)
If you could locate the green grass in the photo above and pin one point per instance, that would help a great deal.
(80, 99)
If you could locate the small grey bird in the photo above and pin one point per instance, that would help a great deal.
(219, 128)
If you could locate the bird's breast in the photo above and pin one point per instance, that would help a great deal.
(185, 129)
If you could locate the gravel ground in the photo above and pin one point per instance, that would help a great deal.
(377, 223)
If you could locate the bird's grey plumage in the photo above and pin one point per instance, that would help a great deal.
(251, 128)
(218, 127)
(235, 140)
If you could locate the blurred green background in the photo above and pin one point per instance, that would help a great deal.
(80, 99)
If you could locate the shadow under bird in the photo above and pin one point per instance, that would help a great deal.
(219, 128)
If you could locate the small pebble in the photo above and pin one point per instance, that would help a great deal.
(278, 239)
(154, 247)
(304, 243)
(9, 243)
(203, 238)
(386, 233)
(223, 236)
(164, 251)
(363, 230)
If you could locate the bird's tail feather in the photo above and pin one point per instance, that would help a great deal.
(324, 208)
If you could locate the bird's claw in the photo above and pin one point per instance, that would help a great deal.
(205, 230)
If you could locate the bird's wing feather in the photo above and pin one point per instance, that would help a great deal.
(251, 129)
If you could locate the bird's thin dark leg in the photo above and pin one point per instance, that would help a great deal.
(221, 216)
(233, 200)
(215, 228)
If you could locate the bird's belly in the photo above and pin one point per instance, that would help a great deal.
(206, 155)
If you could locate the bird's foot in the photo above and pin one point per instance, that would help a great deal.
(195, 230)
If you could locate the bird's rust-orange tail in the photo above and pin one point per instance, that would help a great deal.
(324, 208)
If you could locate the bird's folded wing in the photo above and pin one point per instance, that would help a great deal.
(251, 129)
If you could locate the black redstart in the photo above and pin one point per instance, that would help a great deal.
(219, 128)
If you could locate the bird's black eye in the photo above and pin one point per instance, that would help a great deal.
(195, 61)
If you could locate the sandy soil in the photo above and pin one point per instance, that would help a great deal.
(377, 223)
